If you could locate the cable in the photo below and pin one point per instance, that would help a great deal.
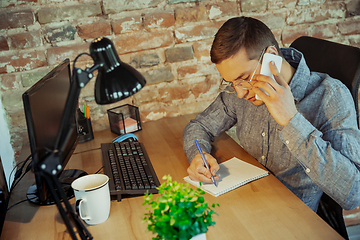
(25, 200)
(19, 172)
(78, 56)
(87, 151)
(99, 170)
(12, 171)
(21, 177)
(18, 164)
(17, 178)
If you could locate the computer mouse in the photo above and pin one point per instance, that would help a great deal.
(126, 137)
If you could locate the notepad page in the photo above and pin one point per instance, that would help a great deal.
(232, 174)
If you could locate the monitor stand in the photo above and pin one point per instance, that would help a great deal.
(66, 178)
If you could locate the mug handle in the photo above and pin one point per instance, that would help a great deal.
(78, 209)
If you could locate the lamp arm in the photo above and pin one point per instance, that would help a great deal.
(67, 213)
(79, 80)
(84, 76)
(50, 165)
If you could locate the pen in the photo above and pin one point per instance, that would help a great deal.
(205, 162)
(87, 112)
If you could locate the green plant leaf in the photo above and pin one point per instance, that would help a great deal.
(178, 212)
(184, 224)
(172, 221)
(165, 218)
(193, 199)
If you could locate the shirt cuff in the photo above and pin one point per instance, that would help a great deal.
(296, 132)
(192, 151)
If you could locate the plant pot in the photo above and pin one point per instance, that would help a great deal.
(201, 236)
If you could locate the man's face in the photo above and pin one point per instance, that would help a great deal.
(239, 67)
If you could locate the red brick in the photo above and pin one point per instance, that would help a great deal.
(320, 31)
(127, 24)
(204, 86)
(202, 49)
(223, 9)
(17, 119)
(348, 27)
(58, 54)
(9, 82)
(193, 14)
(197, 32)
(17, 146)
(147, 94)
(26, 40)
(162, 19)
(57, 14)
(168, 94)
(94, 30)
(22, 62)
(199, 69)
(183, 71)
(143, 41)
(4, 46)
(16, 19)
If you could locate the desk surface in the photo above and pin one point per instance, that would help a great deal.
(263, 209)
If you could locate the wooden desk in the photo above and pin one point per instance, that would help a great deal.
(263, 209)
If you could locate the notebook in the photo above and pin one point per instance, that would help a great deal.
(232, 174)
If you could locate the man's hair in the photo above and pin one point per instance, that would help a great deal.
(240, 32)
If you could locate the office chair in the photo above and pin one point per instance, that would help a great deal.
(341, 62)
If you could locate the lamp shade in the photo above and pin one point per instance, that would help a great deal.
(115, 80)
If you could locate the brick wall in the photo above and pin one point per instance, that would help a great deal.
(166, 40)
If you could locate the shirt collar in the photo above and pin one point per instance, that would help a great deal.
(301, 78)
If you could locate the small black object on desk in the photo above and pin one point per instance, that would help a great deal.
(84, 126)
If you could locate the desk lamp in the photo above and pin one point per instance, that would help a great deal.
(115, 81)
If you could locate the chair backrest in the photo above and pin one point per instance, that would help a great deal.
(338, 60)
(343, 63)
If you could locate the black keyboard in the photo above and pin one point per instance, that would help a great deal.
(129, 168)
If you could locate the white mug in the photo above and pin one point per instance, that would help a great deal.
(92, 198)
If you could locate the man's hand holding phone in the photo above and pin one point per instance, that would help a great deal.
(198, 172)
(275, 92)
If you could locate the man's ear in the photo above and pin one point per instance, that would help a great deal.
(272, 50)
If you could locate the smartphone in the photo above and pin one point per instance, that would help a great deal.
(265, 69)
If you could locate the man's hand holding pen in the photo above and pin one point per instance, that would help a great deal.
(198, 172)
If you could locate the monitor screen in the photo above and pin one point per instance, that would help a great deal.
(44, 105)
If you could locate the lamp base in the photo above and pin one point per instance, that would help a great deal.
(65, 179)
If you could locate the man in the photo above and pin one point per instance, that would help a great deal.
(302, 127)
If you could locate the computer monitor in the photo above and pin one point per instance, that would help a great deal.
(44, 105)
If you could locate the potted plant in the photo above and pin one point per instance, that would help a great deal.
(179, 213)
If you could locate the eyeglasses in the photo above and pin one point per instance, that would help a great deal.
(244, 84)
